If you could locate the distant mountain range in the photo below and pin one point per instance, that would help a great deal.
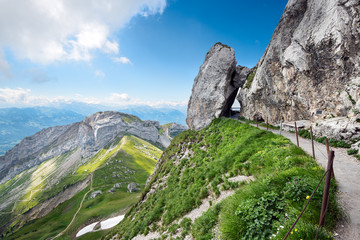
(17, 123)
(162, 115)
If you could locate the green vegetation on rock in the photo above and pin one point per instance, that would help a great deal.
(250, 79)
(199, 165)
(352, 151)
(130, 118)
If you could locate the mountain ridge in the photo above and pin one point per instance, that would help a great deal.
(91, 134)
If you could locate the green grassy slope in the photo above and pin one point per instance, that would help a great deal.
(198, 165)
(35, 185)
(127, 160)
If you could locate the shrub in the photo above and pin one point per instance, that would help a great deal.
(257, 215)
(351, 99)
(334, 142)
(352, 151)
(304, 133)
(297, 189)
(339, 143)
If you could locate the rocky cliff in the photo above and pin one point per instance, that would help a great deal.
(215, 87)
(90, 135)
(310, 70)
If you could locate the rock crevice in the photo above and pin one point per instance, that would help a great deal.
(215, 87)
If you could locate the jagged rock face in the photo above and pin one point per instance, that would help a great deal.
(33, 150)
(215, 87)
(99, 129)
(90, 135)
(310, 69)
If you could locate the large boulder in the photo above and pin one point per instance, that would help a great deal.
(215, 87)
(310, 70)
(132, 187)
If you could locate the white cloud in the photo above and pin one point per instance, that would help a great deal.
(111, 47)
(124, 60)
(116, 98)
(20, 97)
(45, 31)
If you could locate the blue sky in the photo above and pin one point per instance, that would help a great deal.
(122, 52)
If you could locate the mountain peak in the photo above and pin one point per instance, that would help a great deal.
(90, 135)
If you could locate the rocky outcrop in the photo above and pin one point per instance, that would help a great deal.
(132, 187)
(90, 135)
(215, 87)
(95, 194)
(340, 128)
(310, 70)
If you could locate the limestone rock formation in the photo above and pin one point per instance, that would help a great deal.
(96, 193)
(310, 70)
(90, 135)
(340, 128)
(132, 187)
(215, 87)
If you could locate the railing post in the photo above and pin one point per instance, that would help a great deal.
(297, 137)
(280, 127)
(327, 146)
(312, 142)
(328, 153)
(325, 201)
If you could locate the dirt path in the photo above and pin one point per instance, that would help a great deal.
(347, 175)
(91, 189)
(81, 203)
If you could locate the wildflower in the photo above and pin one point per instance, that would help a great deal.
(296, 230)
(292, 232)
(307, 197)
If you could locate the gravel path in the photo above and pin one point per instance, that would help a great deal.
(347, 174)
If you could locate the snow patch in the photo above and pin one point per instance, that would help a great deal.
(88, 228)
(111, 222)
(106, 224)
